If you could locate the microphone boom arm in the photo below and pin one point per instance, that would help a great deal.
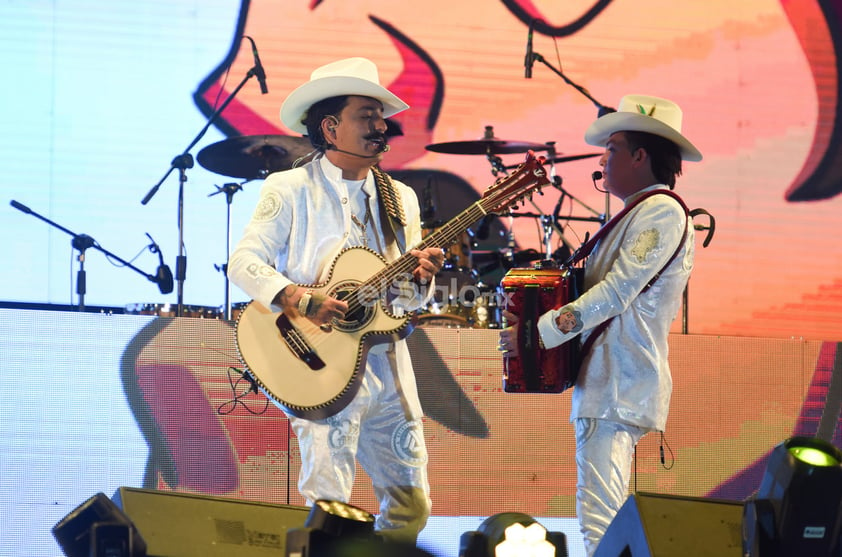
(182, 162)
(179, 161)
(81, 242)
(601, 107)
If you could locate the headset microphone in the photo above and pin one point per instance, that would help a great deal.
(597, 175)
(384, 147)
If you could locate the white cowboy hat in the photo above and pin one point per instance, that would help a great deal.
(643, 113)
(351, 76)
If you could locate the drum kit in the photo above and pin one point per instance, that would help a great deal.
(465, 299)
(462, 298)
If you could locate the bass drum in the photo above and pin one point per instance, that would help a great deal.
(170, 310)
(447, 307)
(486, 309)
(431, 319)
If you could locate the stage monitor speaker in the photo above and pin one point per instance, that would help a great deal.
(652, 525)
(185, 525)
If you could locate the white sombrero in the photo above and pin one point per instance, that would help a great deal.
(351, 76)
(643, 113)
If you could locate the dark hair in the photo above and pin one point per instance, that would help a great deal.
(664, 154)
(331, 106)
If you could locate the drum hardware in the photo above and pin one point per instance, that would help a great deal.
(253, 157)
(433, 319)
(487, 308)
(250, 158)
(491, 147)
(229, 190)
(476, 306)
(182, 162)
(487, 145)
(83, 242)
(560, 159)
(169, 310)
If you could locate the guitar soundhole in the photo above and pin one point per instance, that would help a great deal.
(360, 311)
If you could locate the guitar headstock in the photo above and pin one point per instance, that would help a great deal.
(529, 177)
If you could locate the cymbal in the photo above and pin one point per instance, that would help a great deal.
(486, 146)
(566, 158)
(253, 156)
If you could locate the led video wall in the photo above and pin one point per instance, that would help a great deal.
(95, 402)
(101, 99)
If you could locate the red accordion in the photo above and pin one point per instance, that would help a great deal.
(529, 293)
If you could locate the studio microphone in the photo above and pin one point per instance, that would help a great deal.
(259, 72)
(163, 277)
(530, 59)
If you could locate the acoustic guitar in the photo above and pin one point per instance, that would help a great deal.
(313, 372)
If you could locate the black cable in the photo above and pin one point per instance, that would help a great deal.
(661, 449)
(229, 406)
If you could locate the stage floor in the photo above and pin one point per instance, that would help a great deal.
(97, 401)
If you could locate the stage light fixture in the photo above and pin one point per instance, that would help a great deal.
(797, 509)
(98, 528)
(512, 535)
(328, 522)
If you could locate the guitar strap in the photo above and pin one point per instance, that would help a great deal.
(391, 207)
(588, 247)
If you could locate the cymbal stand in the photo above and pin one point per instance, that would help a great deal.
(557, 184)
(497, 166)
(548, 222)
(548, 225)
(229, 190)
(183, 162)
(601, 218)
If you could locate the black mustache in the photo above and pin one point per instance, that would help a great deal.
(377, 137)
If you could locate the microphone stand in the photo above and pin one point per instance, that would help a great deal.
(600, 218)
(81, 242)
(602, 110)
(549, 223)
(229, 190)
(182, 162)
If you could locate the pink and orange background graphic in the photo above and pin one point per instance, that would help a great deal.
(104, 97)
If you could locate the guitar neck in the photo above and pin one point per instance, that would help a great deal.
(507, 191)
(443, 237)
